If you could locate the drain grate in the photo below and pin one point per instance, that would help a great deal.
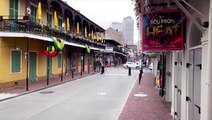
(46, 92)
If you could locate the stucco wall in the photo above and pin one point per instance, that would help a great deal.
(4, 7)
(38, 46)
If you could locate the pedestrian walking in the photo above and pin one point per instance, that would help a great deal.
(140, 75)
(102, 68)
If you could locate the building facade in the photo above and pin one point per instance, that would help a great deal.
(28, 29)
(187, 72)
(115, 53)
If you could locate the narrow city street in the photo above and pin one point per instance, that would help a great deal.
(96, 97)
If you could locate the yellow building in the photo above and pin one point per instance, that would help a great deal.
(26, 31)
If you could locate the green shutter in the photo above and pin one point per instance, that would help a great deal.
(16, 61)
(12, 4)
(33, 12)
(16, 5)
(13, 9)
(59, 60)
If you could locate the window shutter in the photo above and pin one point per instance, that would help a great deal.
(16, 61)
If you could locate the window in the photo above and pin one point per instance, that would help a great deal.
(33, 12)
(49, 19)
(60, 24)
(59, 60)
(13, 9)
(16, 61)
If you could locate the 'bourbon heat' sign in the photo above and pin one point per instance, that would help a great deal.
(162, 30)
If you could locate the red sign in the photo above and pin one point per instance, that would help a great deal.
(162, 30)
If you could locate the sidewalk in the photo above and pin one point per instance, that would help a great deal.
(18, 90)
(144, 102)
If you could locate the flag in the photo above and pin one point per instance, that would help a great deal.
(39, 12)
(97, 37)
(92, 36)
(55, 20)
(85, 31)
(67, 25)
(77, 28)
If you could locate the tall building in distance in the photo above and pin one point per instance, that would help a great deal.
(127, 28)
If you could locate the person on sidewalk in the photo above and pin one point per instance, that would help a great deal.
(102, 68)
(140, 75)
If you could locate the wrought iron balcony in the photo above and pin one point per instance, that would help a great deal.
(24, 25)
(117, 49)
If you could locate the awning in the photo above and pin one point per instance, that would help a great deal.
(114, 52)
(13, 34)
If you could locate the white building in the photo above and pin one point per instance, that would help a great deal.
(189, 71)
(128, 30)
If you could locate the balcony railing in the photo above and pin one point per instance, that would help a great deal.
(33, 27)
(117, 49)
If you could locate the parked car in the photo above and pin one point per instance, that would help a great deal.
(135, 65)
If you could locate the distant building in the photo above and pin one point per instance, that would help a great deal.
(132, 52)
(117, 26)
(110, 33)
(127, 28)
(114, 51)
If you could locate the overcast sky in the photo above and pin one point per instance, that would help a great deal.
(104, 12)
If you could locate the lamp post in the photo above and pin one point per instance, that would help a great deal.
(61, 66)
(27, 65)
(27, 4)
(47, 78)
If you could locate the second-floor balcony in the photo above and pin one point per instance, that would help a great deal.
(27, 25)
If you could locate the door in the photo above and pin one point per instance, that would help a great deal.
(194, 85)
(177, 90)
(197, 82)
(190, 84)
(33, 66)
(49, 67)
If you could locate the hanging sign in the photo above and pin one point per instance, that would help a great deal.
(162, 30)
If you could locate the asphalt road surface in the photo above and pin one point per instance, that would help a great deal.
(97, 97)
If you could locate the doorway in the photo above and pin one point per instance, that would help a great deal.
(33, 67)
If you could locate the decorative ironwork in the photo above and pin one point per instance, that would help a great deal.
(26, 25)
